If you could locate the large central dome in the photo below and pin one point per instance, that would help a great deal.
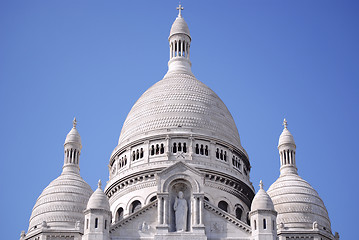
(181, 102)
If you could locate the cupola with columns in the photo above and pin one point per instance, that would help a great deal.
(180, 42)
(287, 148)
(72, 149)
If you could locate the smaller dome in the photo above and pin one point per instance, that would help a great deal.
(179, 26)
(98, 200)
(262, 200)
(286, 137)
(73, 136)
(62, 202)
(297, 203)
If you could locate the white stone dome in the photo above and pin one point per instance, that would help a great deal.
(179, 26)
(298, 205)
(62, 202)
(73, 137)
(98, 200)
(286, 138)
(179, 103)
(262, 201)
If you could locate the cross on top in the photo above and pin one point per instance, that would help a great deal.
(261, 184)
(179, 8)
(74, 123)
(285, 124)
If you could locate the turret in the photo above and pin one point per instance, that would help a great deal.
(263, 216)
(287, 148)
(97, 216)
(180, 42)
(72, 150)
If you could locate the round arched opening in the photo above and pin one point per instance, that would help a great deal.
(119, 214)
(223, 205)
(135, 206)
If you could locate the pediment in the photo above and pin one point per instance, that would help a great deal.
(178, 167)
(177, 172)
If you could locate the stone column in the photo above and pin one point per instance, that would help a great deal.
(190, 148)
(165, 212)
(146, 152)
(195, 211)
(200, 210)
(212, 150)
(167, 147)
(159, 210)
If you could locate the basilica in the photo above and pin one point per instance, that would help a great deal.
(179, 171)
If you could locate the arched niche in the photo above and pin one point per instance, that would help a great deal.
(194, 184)
(174, 187)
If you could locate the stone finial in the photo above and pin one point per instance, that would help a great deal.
(285, 123)
(99, 184)
(179, 8)
(74, 122)
(261, 184)
(22, 235)
(315, 225)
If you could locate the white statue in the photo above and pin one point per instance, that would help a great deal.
(181, 210)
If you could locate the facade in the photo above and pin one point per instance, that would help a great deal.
(179, 171)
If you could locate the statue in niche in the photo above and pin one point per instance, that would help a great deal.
(180, 207)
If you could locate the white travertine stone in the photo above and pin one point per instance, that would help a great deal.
(263, 216)
(62, 202)
(297, 203)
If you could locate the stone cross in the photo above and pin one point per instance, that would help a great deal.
(74, 122)
(261, 184)
(179, 8)
(285, 124)
(99, 184)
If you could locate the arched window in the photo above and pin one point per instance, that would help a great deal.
(225, 156)
(223, 205)
(152, 150)
(206, 198)
(255, 225)
(197, 149)
(217, 153)
(264, 223)
(157, 149)
(239, 212)
(153, 198)
(137, 154)
(119, 214)
(201, 151)
(184, 147)
(162, 150)
(135, 206)
(96, 222)
(141, 153)
(133, 156)
(206, 151)
(174, 148)
(105, 224)
(179, 147)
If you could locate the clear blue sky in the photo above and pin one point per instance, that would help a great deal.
(266, 59)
